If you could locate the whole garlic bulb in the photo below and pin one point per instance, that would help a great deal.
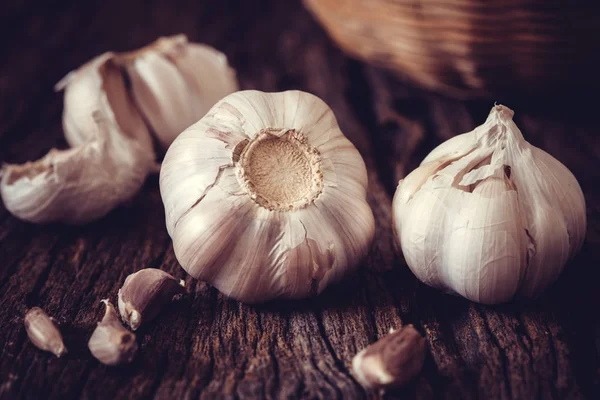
(266, 198)
(489, 216)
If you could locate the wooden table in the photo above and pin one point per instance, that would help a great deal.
(208, 346)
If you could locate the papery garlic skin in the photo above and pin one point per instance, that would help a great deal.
(489, 216)
(265, 198)
(174, 83)
(80, 184)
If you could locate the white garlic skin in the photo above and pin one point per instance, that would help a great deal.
(489, 232)
(226, 232)
(43, 333)
(111, 343)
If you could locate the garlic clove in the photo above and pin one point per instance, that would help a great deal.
(258, 196)
(77, 185)
(567, 193)
(217, 78)
(98, 87)
(174, 83)
(215, 149)
(491, 225)
(110, 342)
(43, 333)
(162, 95)
(392, 361)
(145, 293)
(493, 219)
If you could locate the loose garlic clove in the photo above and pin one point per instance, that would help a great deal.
(175, 83)
(99, 88)
(43, 333)
(110, 342)
(77, 185)
(145, 293)
(489, 216)
(392, 361)
(265, 198)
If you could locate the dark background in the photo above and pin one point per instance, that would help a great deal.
(208, 346)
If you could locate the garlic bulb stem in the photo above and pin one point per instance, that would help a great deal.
(280, 172)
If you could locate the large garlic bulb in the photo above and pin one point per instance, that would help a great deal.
(489, 216)
(265, 197)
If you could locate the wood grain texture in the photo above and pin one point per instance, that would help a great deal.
(207, 346)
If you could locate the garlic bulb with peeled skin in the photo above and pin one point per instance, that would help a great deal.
(489, 216)
(266, 198)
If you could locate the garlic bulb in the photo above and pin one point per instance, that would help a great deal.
(265, 197)
(111, 343)
(173, 84)
(489, 216)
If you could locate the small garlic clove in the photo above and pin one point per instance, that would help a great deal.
(77, 185)
(145, 293)
(43, 333)
(110, 342)
(174, 83)
(392, 361)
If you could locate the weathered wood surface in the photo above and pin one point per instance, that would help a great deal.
(208, 346)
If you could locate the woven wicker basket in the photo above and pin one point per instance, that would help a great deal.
(472, 47)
